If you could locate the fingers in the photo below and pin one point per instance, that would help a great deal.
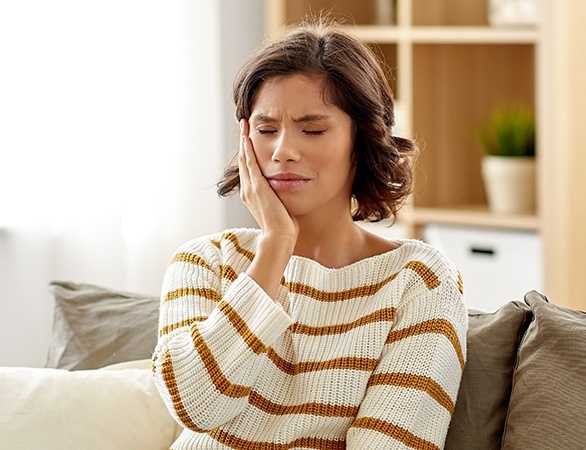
(251, 177)
(249, 160)
(244, 127)
(255, 191)
(242, 163)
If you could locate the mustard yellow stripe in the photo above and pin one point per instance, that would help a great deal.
(183, 323)
(311, 408)
(382, 315)
(234, 239)
(337, 296)
(228, 272)
(248, 336)
(344, 363)
(433, 326)
(396, 432)
(191, 259)
(419, 382)
(210, 294)
(213, 369)
(460, 283)
(315, 443)
(427, 275)
(170, 381)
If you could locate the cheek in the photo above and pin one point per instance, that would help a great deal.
(261, 148)
(264, 154)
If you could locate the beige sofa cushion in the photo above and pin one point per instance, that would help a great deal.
(53, 409)
(548, 401)
(493, 339)
(95, 326)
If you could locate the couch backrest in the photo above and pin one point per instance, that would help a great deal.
(493, 339)
(524, 385)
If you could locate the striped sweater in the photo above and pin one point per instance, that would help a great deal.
(367, 356)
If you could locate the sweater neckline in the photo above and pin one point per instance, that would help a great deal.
(404, 248)
(369, 261)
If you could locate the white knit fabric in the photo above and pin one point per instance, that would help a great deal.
(367, 356)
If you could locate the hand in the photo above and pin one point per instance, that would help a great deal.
(257, 194)
(279, 229)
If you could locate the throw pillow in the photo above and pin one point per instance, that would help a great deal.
(481, 407)
(57, 409)
(94, 326)
(548, 400)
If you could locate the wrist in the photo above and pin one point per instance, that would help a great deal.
(283, 243)
(272, 256)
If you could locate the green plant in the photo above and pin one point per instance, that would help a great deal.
(511, 132)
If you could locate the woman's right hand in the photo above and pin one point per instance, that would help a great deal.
(258, 196)
(279, 228)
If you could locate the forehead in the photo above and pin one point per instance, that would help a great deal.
(292, 92)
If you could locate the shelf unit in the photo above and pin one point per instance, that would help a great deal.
(449, 68)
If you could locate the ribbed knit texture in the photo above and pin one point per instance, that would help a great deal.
(367, 356)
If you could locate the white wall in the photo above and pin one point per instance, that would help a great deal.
(236, 45)
(114, 132)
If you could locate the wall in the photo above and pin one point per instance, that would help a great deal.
(113, 139)
(235, 47)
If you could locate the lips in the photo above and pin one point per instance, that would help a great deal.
(287, 181)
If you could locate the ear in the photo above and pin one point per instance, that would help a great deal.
(354, 158)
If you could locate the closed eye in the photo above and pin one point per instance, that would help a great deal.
(265, 131)
(314, 133)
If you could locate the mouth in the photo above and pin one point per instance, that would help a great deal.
(287, 181)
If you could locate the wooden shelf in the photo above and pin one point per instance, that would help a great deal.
(445, 35)
(470, 215)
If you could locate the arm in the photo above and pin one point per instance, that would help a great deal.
(411, 394)
(212, 342)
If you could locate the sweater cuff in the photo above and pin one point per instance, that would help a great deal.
(266, 318)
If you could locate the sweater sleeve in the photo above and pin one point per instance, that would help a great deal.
(411, 394)
(214, 329)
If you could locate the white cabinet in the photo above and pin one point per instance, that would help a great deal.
(497, 265)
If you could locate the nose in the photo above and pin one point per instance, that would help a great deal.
(286, 149)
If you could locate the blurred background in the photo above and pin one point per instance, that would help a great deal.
(116, 122)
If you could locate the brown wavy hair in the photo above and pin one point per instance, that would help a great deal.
(354, 80)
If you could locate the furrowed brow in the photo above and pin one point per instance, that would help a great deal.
(263, 118)
(311, 118)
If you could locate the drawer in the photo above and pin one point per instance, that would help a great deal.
(497, 265)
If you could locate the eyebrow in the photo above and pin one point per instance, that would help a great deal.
(305, 118)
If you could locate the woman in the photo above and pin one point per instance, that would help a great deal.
(312, 332)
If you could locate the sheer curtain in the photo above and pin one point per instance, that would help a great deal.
(113, 135)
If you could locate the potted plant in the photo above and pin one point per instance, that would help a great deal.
(508, 166)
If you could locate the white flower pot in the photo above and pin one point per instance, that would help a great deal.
(513, 12)
(509, 183)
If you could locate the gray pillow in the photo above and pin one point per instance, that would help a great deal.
(548, 401)
(95, 326)
(492, 341)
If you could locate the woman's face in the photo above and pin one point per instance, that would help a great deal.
(303, 145)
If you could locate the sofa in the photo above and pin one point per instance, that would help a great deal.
(524, 385)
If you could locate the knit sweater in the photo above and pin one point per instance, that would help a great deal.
(366, 356)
